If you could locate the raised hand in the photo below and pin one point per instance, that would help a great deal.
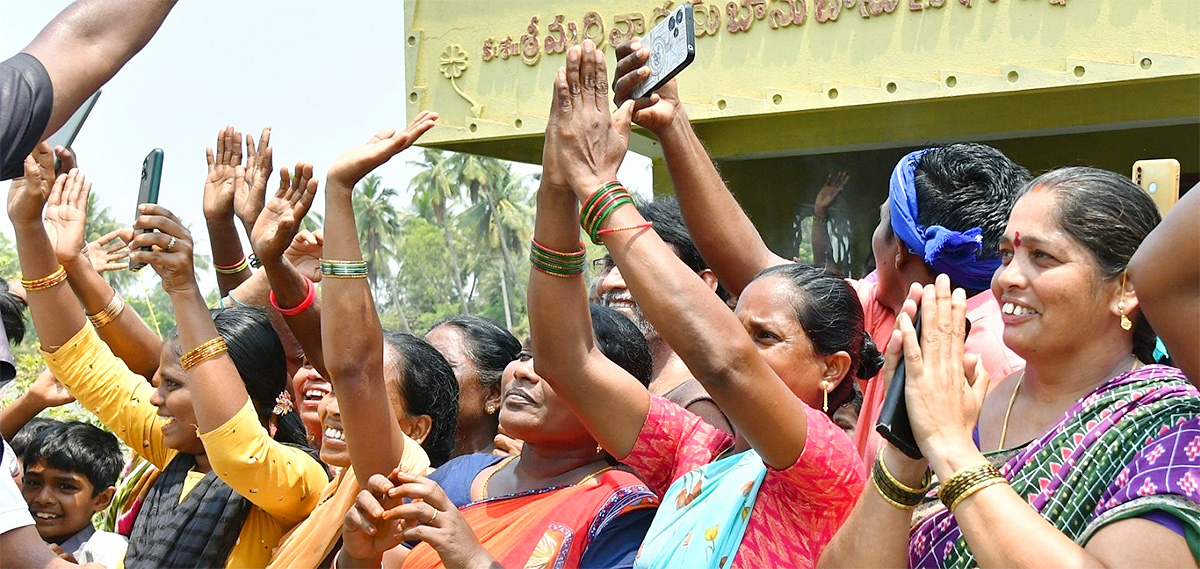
(110, 251)
(66, 214)
(357, 162)
(66, 160)
(589, 142)
(47, 392)
(276, 227)
(27, 195)
(943, 402)
(171, 248)
(250, 188)
(834, 185)
(305, 253)
(219, 188)
(430, 516)
(662, 107)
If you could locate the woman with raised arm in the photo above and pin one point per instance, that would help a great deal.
(1087, 458)
(560, 502)
(419, 384)
(775, 494)
(228, 490)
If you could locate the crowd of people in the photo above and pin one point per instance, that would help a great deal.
(687, 408)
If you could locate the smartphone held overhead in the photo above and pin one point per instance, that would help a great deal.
(148, 191)
(1160, 179)
(672, 48)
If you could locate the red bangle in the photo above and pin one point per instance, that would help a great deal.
(308, 300)
(231, 267)
(631, 227)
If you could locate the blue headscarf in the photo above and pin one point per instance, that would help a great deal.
(944, 250)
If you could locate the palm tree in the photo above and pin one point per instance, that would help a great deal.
(436, 190)
(378, 223)
(501, 216)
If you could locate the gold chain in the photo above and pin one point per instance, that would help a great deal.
(1013, 399)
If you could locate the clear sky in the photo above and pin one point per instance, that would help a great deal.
(324, 75)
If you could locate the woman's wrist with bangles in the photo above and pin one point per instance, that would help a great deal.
(109, 313)
(208, 350)
(344, 269)
(233, 268)
(949, 456)
(965, 482)
(54, 278)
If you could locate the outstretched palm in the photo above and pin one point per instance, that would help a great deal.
(222, 167)
(66, 214)
(280, 219)
(355, 163)
(250, 189)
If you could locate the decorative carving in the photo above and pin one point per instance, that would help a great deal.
(593, 29)
(755, 10)
(707, 18)
(531, 50)
(635, 25)
(660, 12)
(556, 27)
(454, 63)
(869, 8)
(795, 15)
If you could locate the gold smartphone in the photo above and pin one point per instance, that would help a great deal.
(1160, 179)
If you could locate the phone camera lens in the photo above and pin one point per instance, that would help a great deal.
(679, 17)
(671, 24)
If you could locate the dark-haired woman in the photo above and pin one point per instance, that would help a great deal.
(228, 491)
(775, 494)
(478, 350)
(1088, 458)
(560, 503)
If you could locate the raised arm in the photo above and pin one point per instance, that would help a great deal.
(217, 390)
(1165, 272)
(45, 392)
(86, 44)
(276, 233)
(724, 234)
(822, 247)
(123, 330)
(225, 173)
(707, 336)
(353, 341)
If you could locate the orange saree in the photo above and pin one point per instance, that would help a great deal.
(549, 528)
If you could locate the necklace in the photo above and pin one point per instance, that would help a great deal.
(504, 464)
(1013, 399)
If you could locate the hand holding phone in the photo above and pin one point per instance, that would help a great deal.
(672, 48)
(148, 192)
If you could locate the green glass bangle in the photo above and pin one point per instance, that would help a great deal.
(624, 200)
(596, 195)
(556, 259)
(555, 270)
(587, 215)
(574, 266)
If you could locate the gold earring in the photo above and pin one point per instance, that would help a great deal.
(1126, 324)
(825, 396)
(491, 408)
(599, 448)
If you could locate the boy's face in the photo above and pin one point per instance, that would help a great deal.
(61, 501)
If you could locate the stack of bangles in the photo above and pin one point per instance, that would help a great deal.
(344, 269)
(557, 263)
(204, 352)
(600, 206)
(895, 492)
(309, 298)
(110, 312)
(49, 281)
(234, 268)
(962, 484)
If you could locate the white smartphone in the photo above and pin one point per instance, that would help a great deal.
(672, 48)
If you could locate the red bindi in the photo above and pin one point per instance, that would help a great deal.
(1017, 239)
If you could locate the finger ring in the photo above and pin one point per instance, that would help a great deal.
(433, 517)
(170, 244)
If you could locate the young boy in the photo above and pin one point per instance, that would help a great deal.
(70, 473)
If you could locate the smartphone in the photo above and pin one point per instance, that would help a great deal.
(65, 136)
(1160, 179)
(893, 422)
(148, 192)
(672, 48)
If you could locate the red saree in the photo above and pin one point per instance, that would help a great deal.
(548, 528)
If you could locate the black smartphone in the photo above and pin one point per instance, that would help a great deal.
(65, 136)
(148, 192)
(672, 48)
(893, 422)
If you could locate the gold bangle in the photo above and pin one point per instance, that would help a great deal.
(203, 352)
(965, 481)
(970, 491)
(893, 491)
(114, 309)
(52, 280)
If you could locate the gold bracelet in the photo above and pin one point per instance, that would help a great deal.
(203, 352)
(114, 309)
(975, 488)
(893, 491)
(52, 280)
(966, 481)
